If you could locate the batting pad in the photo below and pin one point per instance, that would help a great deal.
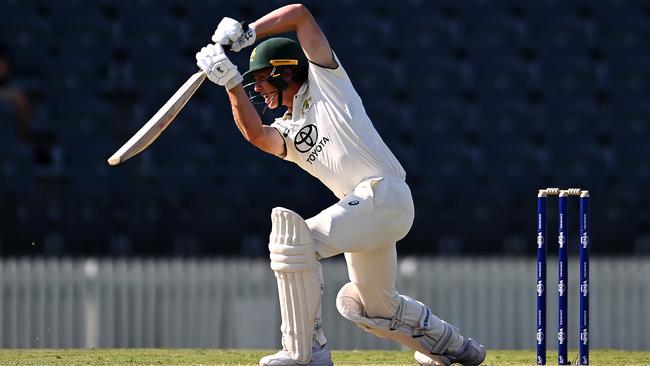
(293, 259)
(413, 324)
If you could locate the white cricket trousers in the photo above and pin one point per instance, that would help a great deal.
(366, 225)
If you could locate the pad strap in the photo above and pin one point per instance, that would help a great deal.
(422, 324)
(443, 342)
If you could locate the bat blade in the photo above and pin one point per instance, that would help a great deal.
(159, 122)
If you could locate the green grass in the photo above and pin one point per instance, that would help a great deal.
(173, 357)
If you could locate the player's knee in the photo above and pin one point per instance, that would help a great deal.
(349, 305)
(290, 243)
(348, 302)
(351, 299)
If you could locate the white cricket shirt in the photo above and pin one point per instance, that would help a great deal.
(330, 135)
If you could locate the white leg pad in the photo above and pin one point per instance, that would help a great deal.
(413, 325)
(299, 278)
(319, 335)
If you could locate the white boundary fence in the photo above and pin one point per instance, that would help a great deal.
(226, 303)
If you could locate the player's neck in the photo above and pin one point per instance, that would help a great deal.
(288, 95)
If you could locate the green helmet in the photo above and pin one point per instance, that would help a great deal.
(278, 52)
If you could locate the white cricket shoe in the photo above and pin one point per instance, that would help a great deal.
(431, 360)
(320, 356)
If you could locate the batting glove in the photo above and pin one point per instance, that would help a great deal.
(234, 34)
(216, 65)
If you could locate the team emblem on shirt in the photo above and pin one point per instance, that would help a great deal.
(306, 141)
(306, 104)
(306, 138)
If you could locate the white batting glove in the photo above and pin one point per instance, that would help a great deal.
(231, 33)
(216, 65)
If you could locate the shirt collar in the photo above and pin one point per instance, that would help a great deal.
(303, 88)
(297, 100)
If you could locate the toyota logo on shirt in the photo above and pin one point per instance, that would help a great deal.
(306, 138)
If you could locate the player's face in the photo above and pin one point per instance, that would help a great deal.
(265, 89)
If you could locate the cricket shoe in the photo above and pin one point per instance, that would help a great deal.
(470, 353)
(431, 360)
(320, 356)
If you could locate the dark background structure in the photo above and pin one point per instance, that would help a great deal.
(482, 101)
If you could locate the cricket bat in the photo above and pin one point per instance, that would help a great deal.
(157, 124)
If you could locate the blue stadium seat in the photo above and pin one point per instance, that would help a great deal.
(631, 124)
(499, 35)
(30, 217)
(624, 32)
(569, 35)
(631, 165)
(16, 156)
(16, 168)
(454, 165)
(439, 118)
(27, 35)
(516, 165)
(22, 25)
(569, 77)
(630, 78)
(496, 80)
(506, 121)
(81, 23)
(432, 34)
(442, 77)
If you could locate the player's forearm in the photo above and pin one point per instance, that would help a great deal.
(245, 115)
(296, 18)
(285, 19)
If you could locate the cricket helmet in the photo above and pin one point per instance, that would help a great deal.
(278, 53)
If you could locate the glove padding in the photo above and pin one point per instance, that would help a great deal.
(216, 65)
(231, 33)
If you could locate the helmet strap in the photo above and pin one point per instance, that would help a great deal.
(278, 83)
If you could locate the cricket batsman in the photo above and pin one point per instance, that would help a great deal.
(327, 132)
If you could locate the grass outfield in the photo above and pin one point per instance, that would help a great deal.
(169, 357)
